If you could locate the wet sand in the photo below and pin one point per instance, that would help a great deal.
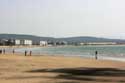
(58, 69)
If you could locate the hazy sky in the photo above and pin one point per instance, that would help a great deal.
(63, 18)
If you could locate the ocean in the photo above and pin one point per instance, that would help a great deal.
(111, 52)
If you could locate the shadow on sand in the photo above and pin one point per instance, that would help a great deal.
(85, 74)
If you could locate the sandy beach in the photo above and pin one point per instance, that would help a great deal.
(58, 69)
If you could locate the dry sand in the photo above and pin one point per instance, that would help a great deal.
(59, 69)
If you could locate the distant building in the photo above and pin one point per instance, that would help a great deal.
(17, 42)
(56, 43)
(50, 43)
(22, 42)
(43, 43)
(10, 42)
(62, 43)
(25, 42)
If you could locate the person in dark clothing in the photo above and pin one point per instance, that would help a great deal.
(13, 51)
(3, 51)
(25, 53)
(0, 51)
(30, 53)
(96, 55)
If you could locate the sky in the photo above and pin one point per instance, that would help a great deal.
(63, 18)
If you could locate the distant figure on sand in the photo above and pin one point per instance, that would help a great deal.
(25, 53)
(96, 55)
(3, 51)
(30, 53)
(13, 51)
(0, 51)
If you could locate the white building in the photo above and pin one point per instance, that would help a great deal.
(25, 42)
(43, 43)
(17, 42)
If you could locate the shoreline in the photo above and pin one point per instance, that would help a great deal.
(107, 58)
(100, 57)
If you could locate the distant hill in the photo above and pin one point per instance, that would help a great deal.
(90, 39)
(36, 39)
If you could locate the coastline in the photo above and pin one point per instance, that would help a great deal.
(107, 58)
(31, 48)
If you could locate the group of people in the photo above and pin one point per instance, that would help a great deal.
(30, 53)
(2, 51)
(26, 53)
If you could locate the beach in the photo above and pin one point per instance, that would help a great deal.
(17, 68)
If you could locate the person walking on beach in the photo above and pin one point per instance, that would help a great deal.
(0, 51)
(25, 53)
(13, 51)
(96, 55)
(30, 53)
(3, 51)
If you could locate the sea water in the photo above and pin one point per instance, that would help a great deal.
(112, 52)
